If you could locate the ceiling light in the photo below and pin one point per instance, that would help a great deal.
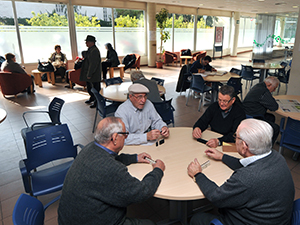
(261, 0)
(280, 3)
(200, 4)
(295, 6)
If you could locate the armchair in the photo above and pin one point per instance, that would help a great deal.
(74, 76)
(137, 64)
(198, 55)
(170, 57)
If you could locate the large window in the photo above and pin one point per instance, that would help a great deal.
(42, 26)
(290, 29)
(246, 32)
(183, 32)
(8, 36)
(205, 32)
(224, 22)
(168, 44)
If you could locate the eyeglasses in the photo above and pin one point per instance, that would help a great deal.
(140, 97)
(224, 101)
(124, 133)
(236, 137)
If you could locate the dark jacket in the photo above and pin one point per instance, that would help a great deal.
(153, 94)
(91, 65)
(112, 56)
(198, 65)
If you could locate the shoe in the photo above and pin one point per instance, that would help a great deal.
(88, 101)
(67, 86)
(94, 105)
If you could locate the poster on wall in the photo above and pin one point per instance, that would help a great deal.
(219, 35)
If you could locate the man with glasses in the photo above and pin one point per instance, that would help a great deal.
(261, 188)
(223, 116)
(98, 187)
(140, 117)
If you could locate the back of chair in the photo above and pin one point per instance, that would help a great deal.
(74, 76)
(247, 72)
(258, 60)
(101, 104)
(295, 220)
(236, 84)
(158, 81)
(165, 110)
(55, 109)
(48, 144)
(115, 80)
(197, 83)
(28, 211)
(215, 222)
(236, 71)
(14, 83)
(291, 134)
(137, 63)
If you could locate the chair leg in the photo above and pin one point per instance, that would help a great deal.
(187, 100)
(242, 96)
(278, 88)
(200, 102)
(286, 87)
(280, 150)
(95, 121)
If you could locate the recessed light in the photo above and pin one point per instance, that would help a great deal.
(261, 0)
(200, 4)
(295, 6)
(266, 12)
(280, 3)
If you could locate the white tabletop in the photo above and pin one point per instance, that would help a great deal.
(177, 152)
(294, 115)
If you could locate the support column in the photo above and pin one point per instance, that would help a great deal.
(294, 82)
(151, 27)
(72, 30)
(282, 24)
(236, 19)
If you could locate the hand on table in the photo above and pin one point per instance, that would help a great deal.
(214, 154)
(193, 168)
(197, 133)
(213, 143)
(153, 135)
(159, 164)
(201, 70)
(165, 131)
(142, 156)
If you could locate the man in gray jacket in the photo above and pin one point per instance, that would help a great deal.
(91, 69)
(261, 188)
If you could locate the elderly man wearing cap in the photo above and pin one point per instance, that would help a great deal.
(140, 117)
(91, 69)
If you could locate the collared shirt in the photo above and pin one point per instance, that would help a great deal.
(225, 114)
(106, 149)
(138, 121)
(247, 161)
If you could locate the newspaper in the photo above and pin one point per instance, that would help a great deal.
(289, 105)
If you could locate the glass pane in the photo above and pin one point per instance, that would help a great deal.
(168, 44)
(42, 26)
(249, 32)
(94, 21)
(129, 32)
(224, 22)
(8, 35)
(290, 30)
(241, 32)
(205, 33)
(183, 32)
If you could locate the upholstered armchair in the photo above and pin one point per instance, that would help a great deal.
(170, 57)
(198, 55)
(14, 83)
(74, 78)
(137, 64)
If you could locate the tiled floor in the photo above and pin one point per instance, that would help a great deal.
(79, 118)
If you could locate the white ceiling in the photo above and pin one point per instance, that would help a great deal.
(249, 6)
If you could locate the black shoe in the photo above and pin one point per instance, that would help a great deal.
(88, 101)
(94, 105)
(67, 86)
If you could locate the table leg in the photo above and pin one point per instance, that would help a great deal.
(52, 78)
(262, 75)
(48, 77)
(186, 61)
(111, 72)
(38, 79)
(122, 72)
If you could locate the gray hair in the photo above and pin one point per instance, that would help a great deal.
(111, 126)
(136, 75)
(227, 90)
(272, 80)
(257, 134)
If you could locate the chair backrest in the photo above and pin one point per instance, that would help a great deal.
(165, 110)
(74, 76)
(48, 144)
(247, 72)
(215, 222)
(197, 83)
(258, 61)
(236, 71)
(236, 84)
(28, 211)
(295, 219)
(158, 81)
(291, 134)
(14, 83)
(114, 80)
(54, 109)
(101, 104)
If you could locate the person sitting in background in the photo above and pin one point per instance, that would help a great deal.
(223, 116)
(10, 65)
(98, 187)
(111, 60)
(59, 61)
(128, 61)
(140, 117)
(259, 99)
(137, 77)
(202, 64)
(260, 189)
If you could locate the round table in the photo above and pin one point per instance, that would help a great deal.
(294, 115)
(3, 115)
(186, 57)
(118, 92)
(264, 67)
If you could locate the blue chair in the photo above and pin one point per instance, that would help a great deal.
(198, 85)
(236, 71)
(103, 109)
(248, 75)
(295, 220)
(284, 78)
(215, 222)
(44, 146)
(115, 80)
(236, 83)
(290, 136)
(165, 110)
(158, 81)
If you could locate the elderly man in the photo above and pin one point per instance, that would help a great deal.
(137, 77)
(260, 99)
(140, 117)
(203, 64)
(223, 117)
(98, 187)
(261, 189)
(91, 69)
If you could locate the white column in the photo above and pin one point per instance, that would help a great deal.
(294, 82)
(236, 20)
(72, 30)
(151, 28)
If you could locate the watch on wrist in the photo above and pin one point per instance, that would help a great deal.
(219, 142)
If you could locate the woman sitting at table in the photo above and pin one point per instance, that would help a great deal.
(111, 60)
(59, 61)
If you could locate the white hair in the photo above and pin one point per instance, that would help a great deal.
(257, 134)
(272, 80)
(136, 75)
(113, 125)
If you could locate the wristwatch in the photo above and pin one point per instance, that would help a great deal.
(219, 142)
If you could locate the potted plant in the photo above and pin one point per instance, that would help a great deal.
(161, 19)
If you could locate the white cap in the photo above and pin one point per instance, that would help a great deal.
(138, 88)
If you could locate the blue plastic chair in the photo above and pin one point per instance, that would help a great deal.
(215, 222)
(158, 81)
(198, 85)
(248, 75)
(295, 220)
(115, 80)
(43, 147)
(103, 109)
(236, 71)
(236, 83)
(284, 78)
(165, 110)
(290, 136)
